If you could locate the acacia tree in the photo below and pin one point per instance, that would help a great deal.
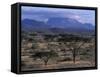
(75, 50)
(45, 56)
(75, 46)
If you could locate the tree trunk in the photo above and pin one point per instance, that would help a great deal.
(46, 62)
(74, 56)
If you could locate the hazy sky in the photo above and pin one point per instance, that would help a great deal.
(43, 14)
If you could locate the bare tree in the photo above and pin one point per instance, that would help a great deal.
(74, 47)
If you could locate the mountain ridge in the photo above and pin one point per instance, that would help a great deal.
(63, 24)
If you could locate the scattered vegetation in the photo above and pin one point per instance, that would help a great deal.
(44, 48)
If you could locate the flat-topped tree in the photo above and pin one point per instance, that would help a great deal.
(45, 56)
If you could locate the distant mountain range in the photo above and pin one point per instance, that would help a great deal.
(57, 25)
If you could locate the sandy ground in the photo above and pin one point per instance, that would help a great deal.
(68, 64)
